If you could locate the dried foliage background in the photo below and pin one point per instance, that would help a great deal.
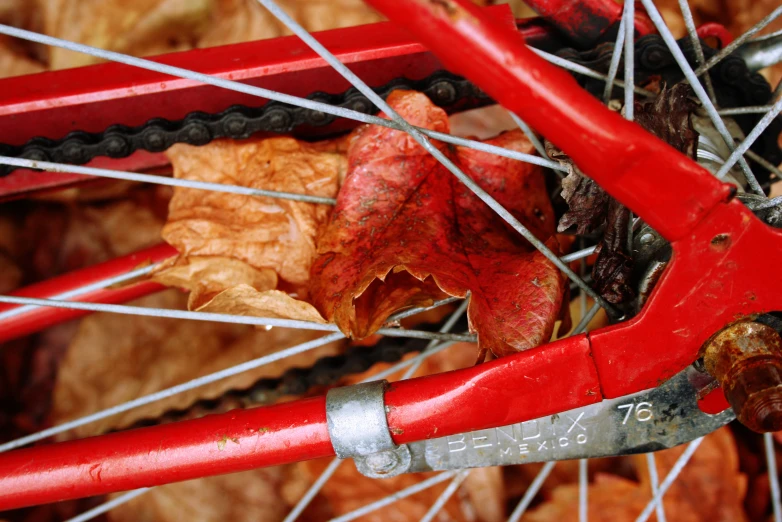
(86, 365)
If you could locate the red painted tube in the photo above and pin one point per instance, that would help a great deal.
(669, 191)
(585, 21)
(557, 377)
(35, 319)
(216, 444)
(549, 379)
(718, 31)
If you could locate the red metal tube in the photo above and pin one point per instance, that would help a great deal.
(216, 444)
(718, 31)
(669, 191)
(557, 377)
(35, 319)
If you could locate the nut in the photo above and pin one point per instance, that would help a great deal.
(746, 359)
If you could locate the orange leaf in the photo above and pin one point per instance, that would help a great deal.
(405, 232)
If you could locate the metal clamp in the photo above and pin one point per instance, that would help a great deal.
(358, 429)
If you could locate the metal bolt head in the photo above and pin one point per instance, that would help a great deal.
(746, 359)
(383, 462)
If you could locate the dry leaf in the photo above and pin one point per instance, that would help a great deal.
(246, 300)
(205, 277)
(116, 358)
(251, 496)
(13, 61)
(709, 489)
(405, 230)
(263, 232)
(141, 27)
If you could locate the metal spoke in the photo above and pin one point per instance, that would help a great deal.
(422, 140)
(760, 109)
(162, 180)
(416, 361)
(584, 322)
(532, 137)
(169, 392)
(222, 318)
(313, 490)
(678, 55)
(265, 93)
(446, 328)
(773, 476)
(98, 285)
(763, 162)
(738, 154)
(583, 490)
(107, 506)
(700, 59)
(399, 495)
(445, 495)
(580, 69)
(655, 483)
(677, 468)
(413, 311)
(735, 44)
(616, 57)
(629, 16)
(532, 490)
(579, 254)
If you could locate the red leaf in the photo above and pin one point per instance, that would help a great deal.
(405, 231)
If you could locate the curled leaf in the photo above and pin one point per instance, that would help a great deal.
(405, 231)
(669, 117)
(246, 300)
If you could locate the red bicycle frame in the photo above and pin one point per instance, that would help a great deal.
(721, 253)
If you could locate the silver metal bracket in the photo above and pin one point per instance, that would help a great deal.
(358, 428)
(650, 420)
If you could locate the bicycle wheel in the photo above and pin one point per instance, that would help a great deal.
(673, 218)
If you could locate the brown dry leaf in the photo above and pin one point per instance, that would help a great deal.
(246, 300)
(205, 277)
(141, 27)
(263, 232)
(243, 20)
(13, 61)
(116, 358)
(251, 496)
(709, 489)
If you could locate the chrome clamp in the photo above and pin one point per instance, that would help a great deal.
(358, 429)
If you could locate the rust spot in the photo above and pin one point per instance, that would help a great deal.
(746, 359)
(720, 242)
(396, 431)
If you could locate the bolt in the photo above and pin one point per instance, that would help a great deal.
(746, 359)
(646, 238)
(382, 462)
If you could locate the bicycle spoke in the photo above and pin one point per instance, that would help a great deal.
(531, 136)
(655, 483)
(313, 490)
(98, 285)
(761, 109)
(162, 180)
(422, 140)
(738, 154)
(264, 93)
(446, 328)
(700, 59)
(678, 55)
(580, 69)
(677, 468)
(169, 392)
(629, 16)
(222, 318)
(445, 495)
(773, 476)
(578, 254)
(532, 490)
(399, 495)
(616, 57)
(108, 506)
(583, 490)
(735, 44)
(413, 311)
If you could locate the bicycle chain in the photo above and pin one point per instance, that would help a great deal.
(734, 83)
